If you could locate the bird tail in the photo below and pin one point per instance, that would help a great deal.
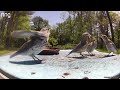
(68, 54)
(13, 55)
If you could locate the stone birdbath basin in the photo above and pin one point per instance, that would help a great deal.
(60, 67)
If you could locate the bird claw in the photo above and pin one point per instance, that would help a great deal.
(92, 54)
(39, 61)
(84, 56)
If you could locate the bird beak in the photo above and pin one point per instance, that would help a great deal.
(101, 36)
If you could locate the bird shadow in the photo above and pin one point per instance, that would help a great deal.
(90, 55)
(78, 57)
(107, 56)
(26, 62)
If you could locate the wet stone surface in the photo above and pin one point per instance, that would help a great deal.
(60, 67)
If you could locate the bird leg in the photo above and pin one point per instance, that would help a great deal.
(109, 54)
(82, 54)
(36, 58)
(89, 54)
(92, 54)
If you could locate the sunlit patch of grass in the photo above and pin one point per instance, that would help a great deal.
(67, 46)
(106, 51)
(102, 50)
(7, 51)
(4, 52)
(118, 51)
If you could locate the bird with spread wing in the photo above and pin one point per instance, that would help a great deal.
(38, 41)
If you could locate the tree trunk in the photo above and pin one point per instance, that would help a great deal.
(111, 27)
(118, 41)
(118, 37)
(106, 30)
(10, 27)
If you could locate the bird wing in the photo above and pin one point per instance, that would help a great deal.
(25, 34)
(113, 45)
(80, 45)
(23, 48)
(77, 48)
(27, 45)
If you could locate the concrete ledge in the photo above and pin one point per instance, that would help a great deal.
(60, 67)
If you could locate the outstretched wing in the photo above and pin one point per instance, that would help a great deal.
(27, 45)
(25, 34)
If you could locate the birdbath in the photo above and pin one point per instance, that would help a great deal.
(60, 67)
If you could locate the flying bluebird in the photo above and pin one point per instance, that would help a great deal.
(38, 41)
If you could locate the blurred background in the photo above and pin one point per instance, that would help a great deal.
(66, 27)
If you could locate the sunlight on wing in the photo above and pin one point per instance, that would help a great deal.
(25, 34)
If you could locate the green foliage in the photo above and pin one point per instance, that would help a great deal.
(53, 41)
(102, 50)
(66, 34)
(66, 46)
(4, 51)
(39, 23)
(23, 22)
(106, 51)
(19, 20)
(118, 51)
(71, 30)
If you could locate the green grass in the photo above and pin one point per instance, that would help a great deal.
(118, 51)
(102, 50)
(6, 51)
(105, 50)
(71, 46)
(67, 46)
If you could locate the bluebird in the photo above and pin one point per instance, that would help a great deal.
(27, 34)
(82, 46)
(38, 41)
(91, 46)
(109, 44)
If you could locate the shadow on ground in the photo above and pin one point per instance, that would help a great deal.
(26, 62)
(78, 57)
(106, 56)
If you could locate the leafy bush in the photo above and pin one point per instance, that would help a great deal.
(67, 46)
(53, 41)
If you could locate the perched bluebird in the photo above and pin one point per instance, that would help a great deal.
(82, 46)
(91, 46)
(38, 41)
(109, 44)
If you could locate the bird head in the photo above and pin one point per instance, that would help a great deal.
(88, 36)
(104, 37)
(46, 32)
